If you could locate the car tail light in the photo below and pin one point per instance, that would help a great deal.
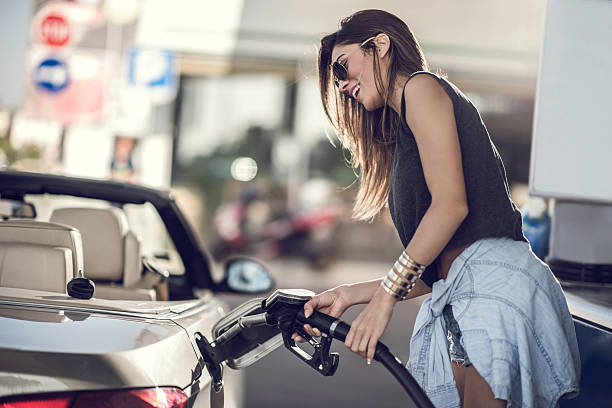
(165, 397)
(161, 397)
(35, 401)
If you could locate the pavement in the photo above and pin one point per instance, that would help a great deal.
(281, 379)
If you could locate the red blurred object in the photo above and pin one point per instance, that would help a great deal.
(55, 30)
(324, 215)
(160, 397)
(167, 397)
(309, 233)
(43, 401)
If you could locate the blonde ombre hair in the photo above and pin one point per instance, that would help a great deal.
(369, 136)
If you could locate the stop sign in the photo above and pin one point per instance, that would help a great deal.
(54, 30)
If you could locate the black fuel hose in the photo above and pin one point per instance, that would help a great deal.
(339, 330)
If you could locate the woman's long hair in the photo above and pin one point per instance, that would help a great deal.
(369, 137)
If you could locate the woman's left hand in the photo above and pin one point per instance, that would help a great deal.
(369, 326)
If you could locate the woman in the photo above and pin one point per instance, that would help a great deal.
(496, 311)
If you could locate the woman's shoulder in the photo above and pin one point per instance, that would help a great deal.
(423, 84)
(424, 89)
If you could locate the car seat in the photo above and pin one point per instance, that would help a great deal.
(111, 252)
(39, 255)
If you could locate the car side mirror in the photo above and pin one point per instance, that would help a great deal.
(246, 275)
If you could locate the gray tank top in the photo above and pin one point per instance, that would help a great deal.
(491, 211)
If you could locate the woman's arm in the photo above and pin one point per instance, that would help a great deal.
(430, 115)
(335, 301)
(362, 292)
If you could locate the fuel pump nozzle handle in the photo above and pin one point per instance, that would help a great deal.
(334, 328)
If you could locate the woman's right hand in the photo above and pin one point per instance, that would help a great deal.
(332, 302)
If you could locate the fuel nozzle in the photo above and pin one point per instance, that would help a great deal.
(283, 305)
(282, 309)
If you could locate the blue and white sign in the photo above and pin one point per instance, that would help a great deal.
(156, 71)
(154, 68)
(52, 75)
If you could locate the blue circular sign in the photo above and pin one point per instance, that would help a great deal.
(52, 75)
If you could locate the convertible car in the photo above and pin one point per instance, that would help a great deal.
(132, 344)
(140, 341)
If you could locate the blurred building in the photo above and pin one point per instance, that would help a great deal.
(173, 93)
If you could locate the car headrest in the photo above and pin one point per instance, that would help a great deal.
(44, 233)
(35, 266)
(105, 235)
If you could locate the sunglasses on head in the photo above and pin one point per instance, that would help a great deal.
(339, 70)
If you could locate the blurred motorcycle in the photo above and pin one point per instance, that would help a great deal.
(248, 225)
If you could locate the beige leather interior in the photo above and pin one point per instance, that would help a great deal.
(103, 232)
(39, 255)
(111, 251)
(116, 292)
(33, 266)
(44, 233)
